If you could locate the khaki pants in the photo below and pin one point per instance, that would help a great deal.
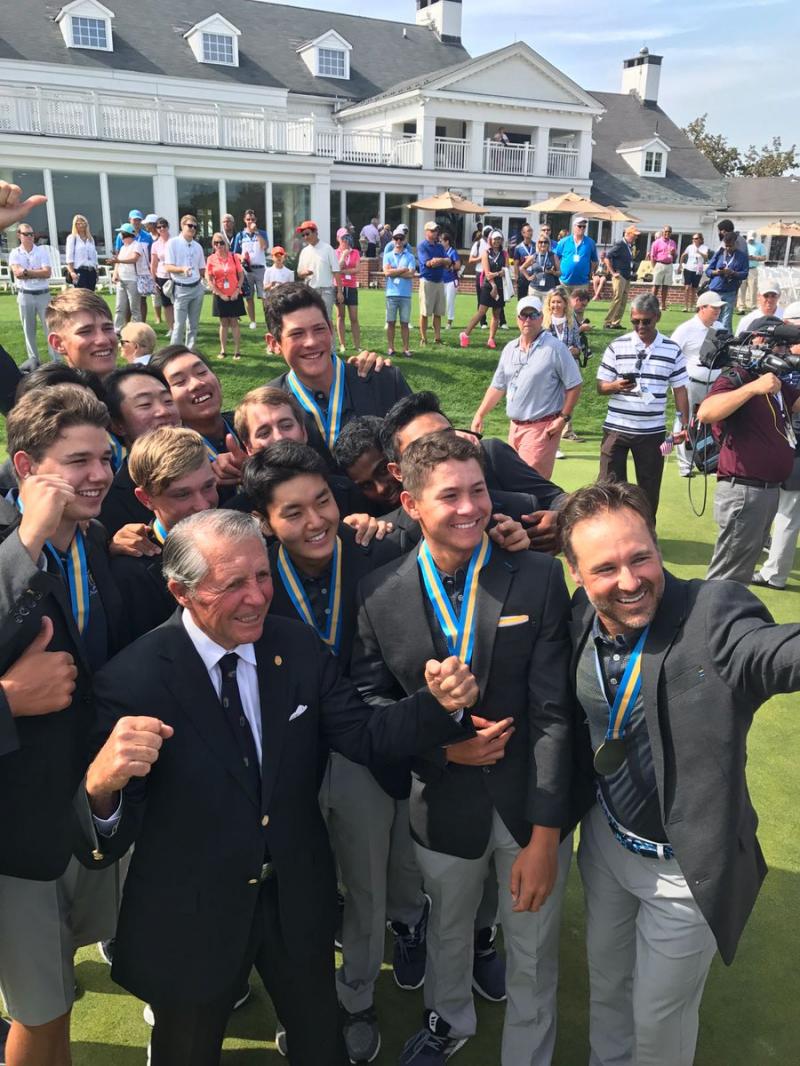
(618, 301)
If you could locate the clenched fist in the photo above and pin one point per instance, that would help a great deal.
(44, 498)
(130, 751)
(451, 683)
(40, 681)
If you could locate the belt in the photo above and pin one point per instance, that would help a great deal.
(33, 292)
(751, 482)
(187, 284)
(638, 845)
(533, 421)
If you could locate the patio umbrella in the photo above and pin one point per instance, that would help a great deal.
(574, 204)
(449, 201)
(781, 229)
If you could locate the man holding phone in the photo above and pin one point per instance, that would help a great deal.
(634, 373)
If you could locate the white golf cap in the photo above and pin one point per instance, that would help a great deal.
(792, 311)
(710, 299)
(529, 301)
(768, 286)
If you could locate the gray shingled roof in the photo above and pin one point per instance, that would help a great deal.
(148, 39)
(778, 197)
(690, 179)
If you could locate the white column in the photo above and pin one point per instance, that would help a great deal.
(223, 199)
(343, 213)
(268, 212)
(321, 202)
(52, 225)
(584, 153)
(424, 216)
(475, 135)
(428, 141)
(542, 147)
(382, 206)
(165, 194)
(105, 210)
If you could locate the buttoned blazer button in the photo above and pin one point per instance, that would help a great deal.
(265, 821)
(253, 881)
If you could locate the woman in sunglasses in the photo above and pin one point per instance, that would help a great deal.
(493, 263)
(158, 251)
(225, 275)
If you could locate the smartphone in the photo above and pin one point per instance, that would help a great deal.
(629, 377)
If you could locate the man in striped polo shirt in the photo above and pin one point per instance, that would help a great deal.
(635, 372)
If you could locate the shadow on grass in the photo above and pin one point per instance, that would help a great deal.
(95, 976)
(688, 552)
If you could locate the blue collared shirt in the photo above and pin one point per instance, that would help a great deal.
(391, 258)
(430, 250)
(736, 261)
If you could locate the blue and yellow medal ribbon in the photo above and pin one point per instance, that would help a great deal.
(118, 451)
(213, 452)
(330, 423)
(458, 632)
(627, 691)
(331, 634)
(160, 532)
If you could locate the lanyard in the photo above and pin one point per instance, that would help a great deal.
(118, 451)
(160, 532)
(212, 450)
(627, 690)
(332, 631)
(458, 632)
(328, 424)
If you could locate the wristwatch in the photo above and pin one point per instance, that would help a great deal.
(565, 416)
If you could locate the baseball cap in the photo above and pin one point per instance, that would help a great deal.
(792, 311)
(342, 231)
(496, 233)
(150, 220)
(529, 301)
(401, 231)
(751, 235)
(580, 218)
(710, 299)
(126, 227)
(768, 286)
(431, 225)
(135, 214)
(277, 250)
(308, 224)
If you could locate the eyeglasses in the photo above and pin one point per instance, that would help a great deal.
(529, 312)
(642, 321)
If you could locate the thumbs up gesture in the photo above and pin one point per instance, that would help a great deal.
(228, 465)
(451, 683)
(40, 681)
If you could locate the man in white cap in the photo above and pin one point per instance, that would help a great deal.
(433, 261)
(576, 256)
(542, 384)
(769, 292)
(747, 290)
(691, 336)
(399, 267)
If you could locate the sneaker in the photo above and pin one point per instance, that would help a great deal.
(432, 1045)
(484, 325)
(573, 436)
(252, 325)
(149, 1017)
(463, 340)
(106, 949)
(280, 1040)
(759, 580)
(391, 353)
(408, 957)
(491, 343)
(504, 325)
(560, 454)
(488, 968)
(407, 354)
(362, 1037)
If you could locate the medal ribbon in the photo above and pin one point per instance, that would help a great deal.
(458, 632)
(213, 452)
(328, 424)
(118, 451)
(76, 575)
(331, 634)
(627, 690)
(159, 531)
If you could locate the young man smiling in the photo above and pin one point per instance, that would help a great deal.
(81, 331)
(504, 795)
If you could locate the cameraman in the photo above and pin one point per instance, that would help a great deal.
(752, 416)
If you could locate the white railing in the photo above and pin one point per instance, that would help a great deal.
(372, 147)
(508, 158)
(562, 163)
(450, 153)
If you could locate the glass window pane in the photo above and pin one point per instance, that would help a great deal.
(291, 205)
(331, 63)
(32, 183)
(244, 196)
(89, 33)
(217, 48)
(361, 207)
(336, 213)
(201, 199)
(77, 194)
(129, 192)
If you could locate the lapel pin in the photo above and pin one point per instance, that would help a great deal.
(278, 660)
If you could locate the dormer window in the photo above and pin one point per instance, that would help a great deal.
(327, 56)
(86, 24)
(653, 162)
(332, 63)
(215, 40)
(647, 158)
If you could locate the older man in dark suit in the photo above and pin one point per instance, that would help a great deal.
(232, 865)
(668, 675)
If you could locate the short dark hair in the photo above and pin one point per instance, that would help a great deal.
(426, 453)
(113, 384)
(582, 294)
(357, 437)
(285, 299)
(400, 414)
(276, 464)
(160, 359)
(603, 497)
(725, 225)
(59, 374)
(41, 416)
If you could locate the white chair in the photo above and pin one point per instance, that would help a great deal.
(57, 279)
(104, 278)
(6, 280)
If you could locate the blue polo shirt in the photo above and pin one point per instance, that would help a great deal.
(393, 259)
(430, 250)
(576, 260)
(143, 237)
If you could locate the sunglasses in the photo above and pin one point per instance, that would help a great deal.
(25, 232)
(190, 225)
(529, 312)
(642, 321)
(581, 225)
(218, 243)
(162, 226)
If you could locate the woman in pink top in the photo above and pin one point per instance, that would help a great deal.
(225, 275)
(157, 252)
(347, 288)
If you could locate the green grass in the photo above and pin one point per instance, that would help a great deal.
(749, 1015)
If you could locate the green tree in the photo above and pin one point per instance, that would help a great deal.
(771, 161)
(714, 146)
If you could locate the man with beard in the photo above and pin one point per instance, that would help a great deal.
(668, 675)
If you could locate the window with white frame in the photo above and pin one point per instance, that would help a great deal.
(331, 63)
(218, 48)
(89, 32)
(653, 162)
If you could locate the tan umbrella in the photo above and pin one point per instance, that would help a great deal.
(449, 201)
(781, 229)
(574, 204)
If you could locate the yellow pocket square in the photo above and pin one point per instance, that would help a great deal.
(512, 620)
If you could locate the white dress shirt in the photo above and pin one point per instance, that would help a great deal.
(80, 252)
(36, 259)
(181, 252)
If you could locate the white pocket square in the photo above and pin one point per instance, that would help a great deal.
(301, 709)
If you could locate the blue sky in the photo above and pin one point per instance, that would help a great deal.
(735, 59)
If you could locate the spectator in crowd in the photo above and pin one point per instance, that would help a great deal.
(769, 292)
(225, 275)
(132, 263)
(693, 260)
(774, 573)
(524, 250)
(539, 269)
(576, 256)
(228, 229)
(251, 244)
(635, 372)
(546, 230)
(579, 301)
(347, 289)
(317, 264)
(371, 234)
(493, 264)
(451, 277)
(386, 238)
(31, 267)
(150, 226)
(663, 253)
(399, 267)
(542, 384)
(80, 329)
(599, 276)
(752, 418)
(500, 136)
(691, 336)
(620, 265)
(727, 269)
(136, 220)
(158, 251)
(478, 247)
(726, 226)
(137, 342)
(756, 255)
(668, 855)
(185, 263)
(558, 319)
(433, 262)
(278, 273)
(81, 255)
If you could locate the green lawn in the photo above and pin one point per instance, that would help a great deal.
(748, 1016)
